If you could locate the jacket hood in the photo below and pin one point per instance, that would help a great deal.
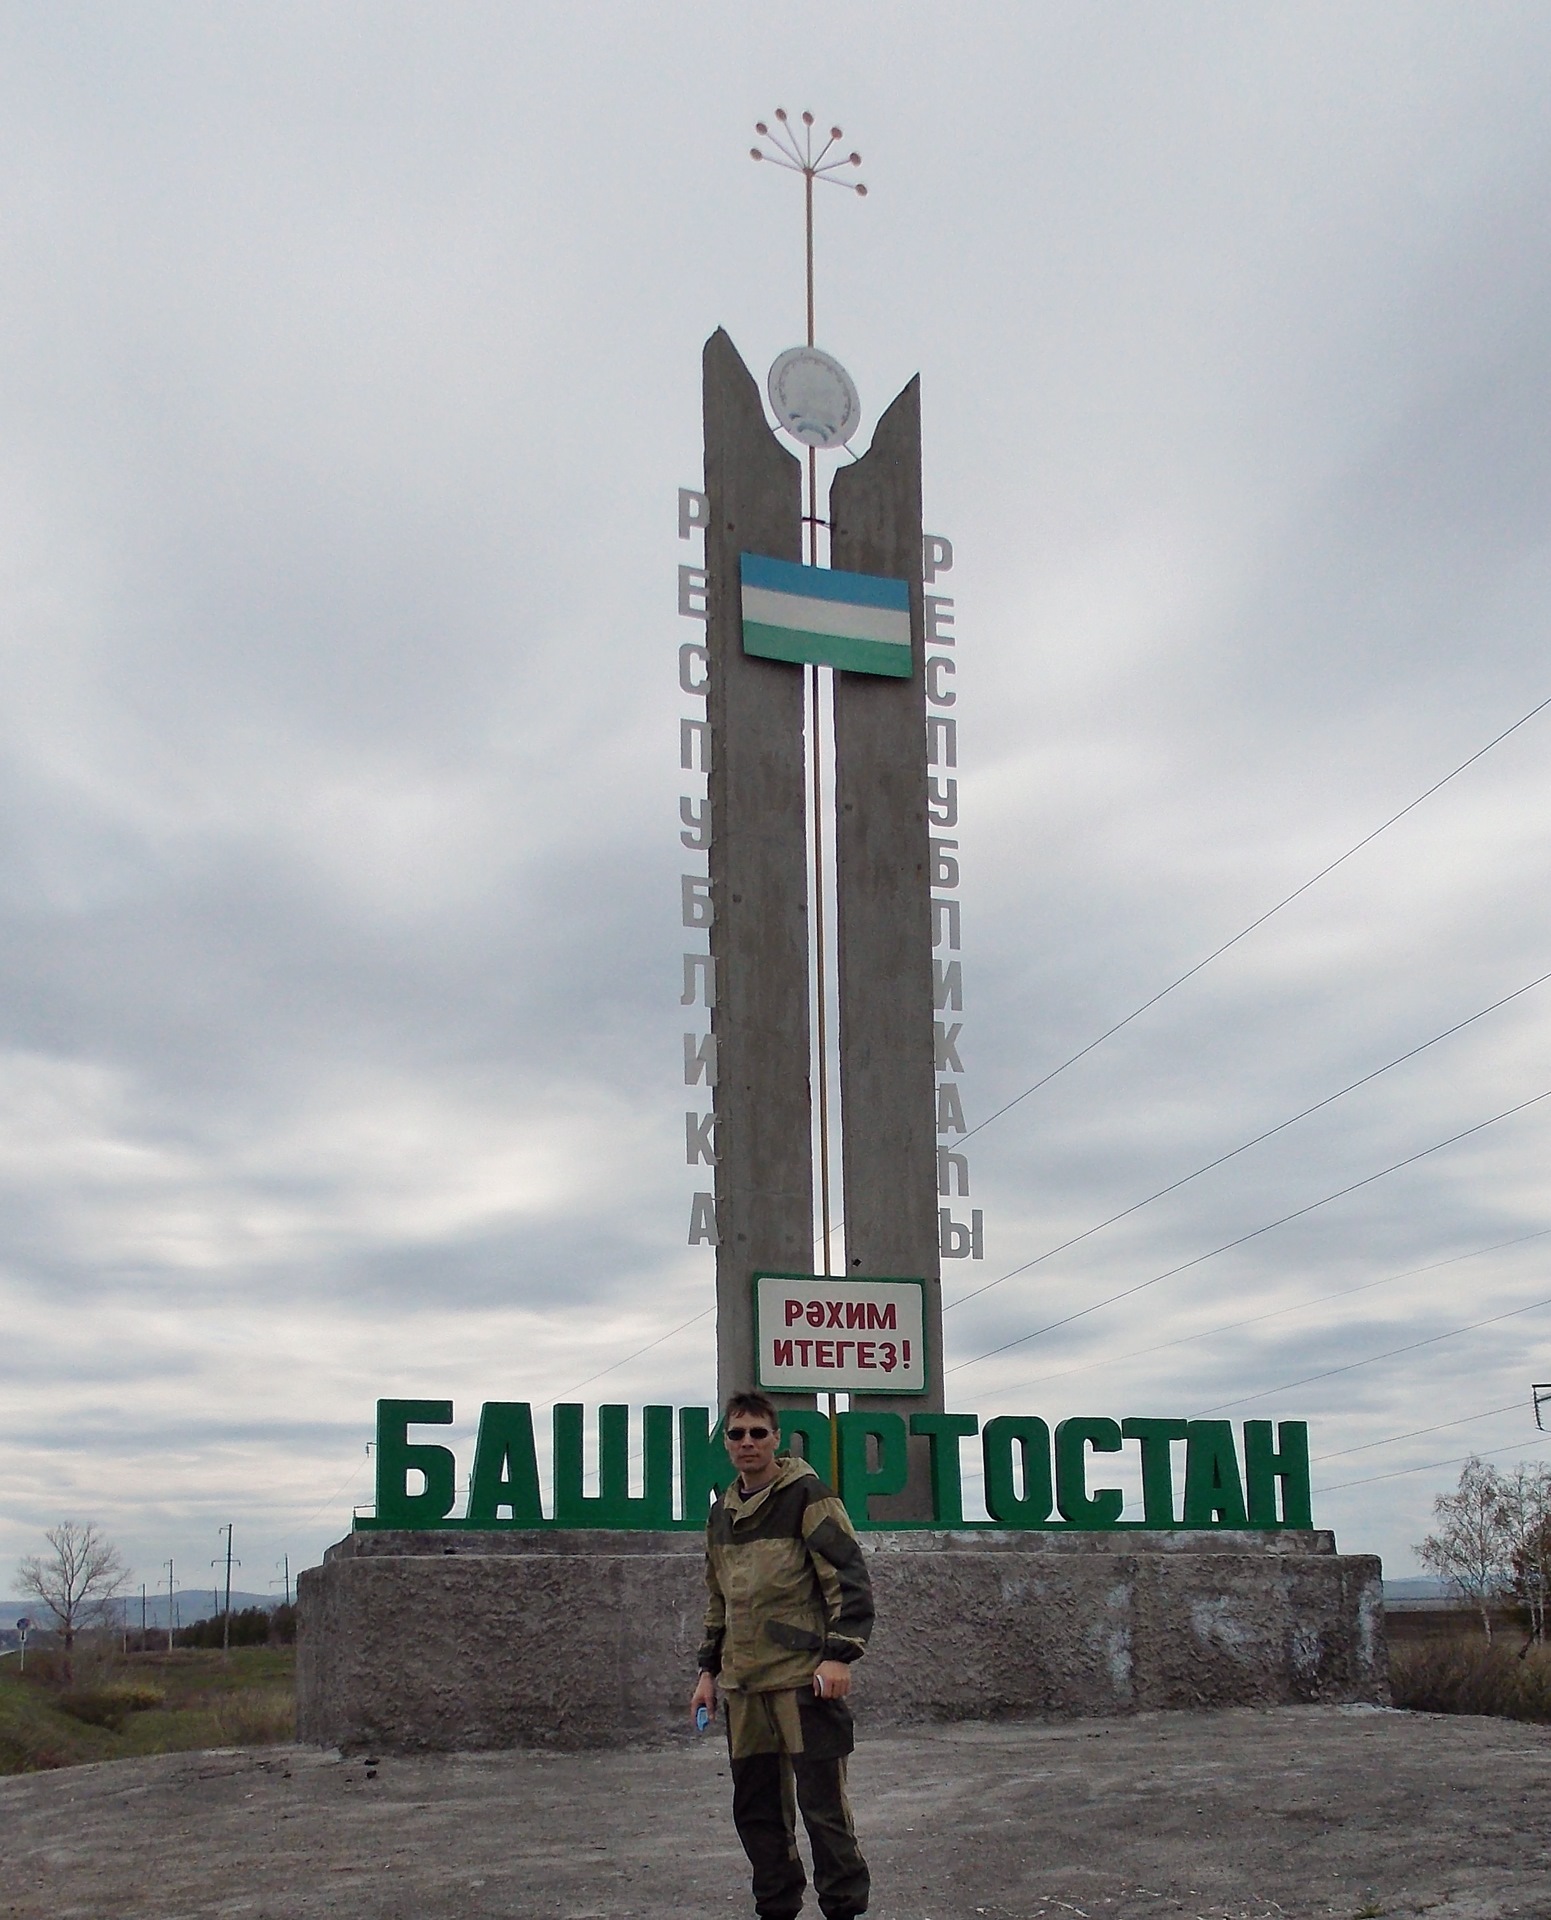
(793, 1467)
(789, 1468)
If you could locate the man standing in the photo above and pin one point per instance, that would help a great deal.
(790, 1609)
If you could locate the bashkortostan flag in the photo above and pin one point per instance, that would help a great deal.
(857, 621)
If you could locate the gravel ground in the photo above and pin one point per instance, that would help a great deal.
(1297, 1811)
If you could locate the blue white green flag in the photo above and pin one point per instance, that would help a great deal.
(859, 622)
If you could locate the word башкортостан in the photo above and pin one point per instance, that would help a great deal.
(1258, 1479)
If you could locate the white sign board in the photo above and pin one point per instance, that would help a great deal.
(839, 1336)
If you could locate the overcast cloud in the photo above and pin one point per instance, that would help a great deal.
(349, 365)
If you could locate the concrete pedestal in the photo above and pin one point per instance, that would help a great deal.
(464, 1641)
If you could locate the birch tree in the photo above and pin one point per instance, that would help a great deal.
(1527, 1516)
(1471, 1548)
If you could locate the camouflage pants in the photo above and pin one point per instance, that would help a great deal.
(788, 1752)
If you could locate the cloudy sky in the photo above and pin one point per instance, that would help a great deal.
(349, 367)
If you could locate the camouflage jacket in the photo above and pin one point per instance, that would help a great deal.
(788, 1583)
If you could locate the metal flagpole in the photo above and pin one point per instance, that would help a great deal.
(815, 166)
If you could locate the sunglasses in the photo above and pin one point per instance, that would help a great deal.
(748, 1433)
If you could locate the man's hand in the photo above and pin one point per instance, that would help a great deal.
(703, 1696)
(831, 1680)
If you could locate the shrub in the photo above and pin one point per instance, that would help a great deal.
(1472, 1676)
(250, 1627)
(109, 1706)
(46, 1664)
(17, 1757)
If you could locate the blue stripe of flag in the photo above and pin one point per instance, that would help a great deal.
(826, 583)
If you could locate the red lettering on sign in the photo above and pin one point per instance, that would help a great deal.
(869, 1355)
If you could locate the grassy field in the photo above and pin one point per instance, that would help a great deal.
(147, 1703)
(189, 1699)
(1468, 1674)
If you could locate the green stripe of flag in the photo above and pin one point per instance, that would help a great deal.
(826, 650)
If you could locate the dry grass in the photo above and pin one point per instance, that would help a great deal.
(151, 1703)
(1472, 1676)
(109, 1705)
(256, 1717)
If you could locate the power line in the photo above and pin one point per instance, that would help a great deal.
(1272, 1313)
(1227, 1246)
(1416, 1433)
(1233, 1153)
(614, 1367)
(349, 1481)
(1351, 1366)
(1162, 993)
(1427, 1466)
(355, 1471)
(1244, 933)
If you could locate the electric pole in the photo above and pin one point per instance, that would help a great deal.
(169, 1606)
(226, 1613)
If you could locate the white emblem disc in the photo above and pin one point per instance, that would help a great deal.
(814, 397)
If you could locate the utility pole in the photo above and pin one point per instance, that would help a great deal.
(226, 1615)
(286, 1563)
(142, 1616)
(169, 1606)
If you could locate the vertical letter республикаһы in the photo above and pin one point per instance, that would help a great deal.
(695, 909)
(957, 1239)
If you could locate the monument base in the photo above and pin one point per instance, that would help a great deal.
(467, 1641)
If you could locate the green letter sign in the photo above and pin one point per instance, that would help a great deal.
(397, 1459)
(1264, 1486)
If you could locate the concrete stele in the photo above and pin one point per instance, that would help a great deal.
(759, 873)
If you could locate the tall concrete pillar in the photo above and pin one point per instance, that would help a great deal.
(759, 874)
(888, 1086)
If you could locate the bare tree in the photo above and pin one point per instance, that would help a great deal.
(77, 1580)
(1527, 1518)
(1472, 1548)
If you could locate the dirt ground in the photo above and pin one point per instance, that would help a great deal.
(1299, 1811)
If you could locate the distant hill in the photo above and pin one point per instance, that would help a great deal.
(190, 1605)
(194, 1604)
(1421, 1586)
